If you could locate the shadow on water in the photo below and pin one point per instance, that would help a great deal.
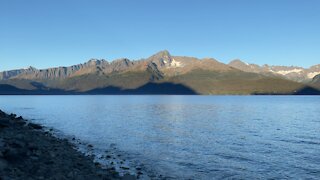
(306, 90)
(6, 89)
(147, 89)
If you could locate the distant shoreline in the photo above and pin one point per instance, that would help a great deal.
(160, 94)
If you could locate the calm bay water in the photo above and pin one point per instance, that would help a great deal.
(197, 137)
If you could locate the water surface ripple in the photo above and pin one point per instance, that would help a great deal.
(191, 137)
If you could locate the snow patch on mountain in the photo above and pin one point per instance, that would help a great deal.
(285, 72)
(175, 63)
(313, 74)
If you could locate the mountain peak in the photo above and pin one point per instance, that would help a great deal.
(246, 67)
(121, 61)
(315, 67)
(30, 68)
(165, 52)
(161, 58)
(121, 64)
(237, 62)
(95, 62)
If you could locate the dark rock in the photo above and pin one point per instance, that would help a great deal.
(4, 124)
(70, 175)
(35, 158)
(32, 146)
(3, 165)
(128, 177)
(2, 144)
(112, 169)
(97, 164)
(79, 164)
(17, 144)
(14, 155)
(34, 126)
(2, 114)
(21, 123)
(49, 162)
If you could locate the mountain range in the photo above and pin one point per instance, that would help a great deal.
(162, 73)
(294, 73)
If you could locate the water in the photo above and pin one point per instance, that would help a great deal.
(196, 137)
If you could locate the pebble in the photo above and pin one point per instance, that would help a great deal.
(126, 168)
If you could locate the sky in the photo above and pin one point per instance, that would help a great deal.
(50, 33)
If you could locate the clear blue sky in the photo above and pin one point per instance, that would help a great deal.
(46, 33)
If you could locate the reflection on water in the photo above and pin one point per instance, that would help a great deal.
(196, 137)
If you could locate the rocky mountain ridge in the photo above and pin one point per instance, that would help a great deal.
(188, 74)
(162, 61)
(294, 73)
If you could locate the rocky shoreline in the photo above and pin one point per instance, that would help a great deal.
(27, 151)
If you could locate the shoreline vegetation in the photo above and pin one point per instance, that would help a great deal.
(27, 151)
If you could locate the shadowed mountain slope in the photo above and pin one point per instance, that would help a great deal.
(210, 82)
(307, 90)
(316, 81)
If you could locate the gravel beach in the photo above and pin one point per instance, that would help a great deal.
(27, 151)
